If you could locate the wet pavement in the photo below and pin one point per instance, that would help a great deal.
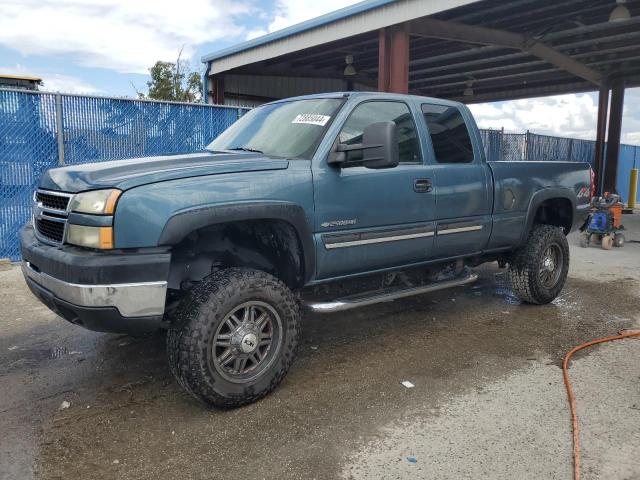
(488, 400)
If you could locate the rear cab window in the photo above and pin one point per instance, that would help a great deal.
(449, 133)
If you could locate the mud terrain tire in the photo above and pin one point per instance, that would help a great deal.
(219, 304)
(538, 270)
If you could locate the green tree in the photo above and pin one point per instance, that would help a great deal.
(174, 81)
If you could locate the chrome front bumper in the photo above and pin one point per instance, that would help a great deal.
(130, 299)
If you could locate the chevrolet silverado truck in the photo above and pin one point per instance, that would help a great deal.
(325, 202)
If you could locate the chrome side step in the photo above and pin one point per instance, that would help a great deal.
(362, 300)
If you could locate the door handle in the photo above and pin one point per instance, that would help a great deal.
(422, 185)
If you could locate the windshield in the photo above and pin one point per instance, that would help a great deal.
(283, 130)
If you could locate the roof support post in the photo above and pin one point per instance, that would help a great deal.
(615, 130)
(383, 60)
(217, 89)
(393, 59)
(601, 132)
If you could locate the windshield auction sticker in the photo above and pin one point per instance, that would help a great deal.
(311, 119)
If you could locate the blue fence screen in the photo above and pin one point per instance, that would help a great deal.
(43, 130)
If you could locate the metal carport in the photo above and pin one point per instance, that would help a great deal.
(466, 50)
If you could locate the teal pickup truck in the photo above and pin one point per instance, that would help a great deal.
(325, 202)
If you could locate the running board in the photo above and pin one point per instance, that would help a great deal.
(362, 300)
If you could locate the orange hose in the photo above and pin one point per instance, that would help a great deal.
(572, 399)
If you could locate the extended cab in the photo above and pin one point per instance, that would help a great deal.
(326, 202)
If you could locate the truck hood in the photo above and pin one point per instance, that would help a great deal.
(126, 174)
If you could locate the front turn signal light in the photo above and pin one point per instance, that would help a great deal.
(91, 237)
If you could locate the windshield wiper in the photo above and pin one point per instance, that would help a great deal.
(247, 149)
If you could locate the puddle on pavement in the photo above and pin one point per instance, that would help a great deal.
(343, 386)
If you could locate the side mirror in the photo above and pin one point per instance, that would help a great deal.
(379, 148)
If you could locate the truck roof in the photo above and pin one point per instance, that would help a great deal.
(398, 96)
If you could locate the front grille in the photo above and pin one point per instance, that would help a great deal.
(50, 229)
(50, 215)
(57, 202)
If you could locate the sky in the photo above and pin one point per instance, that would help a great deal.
(105, 47)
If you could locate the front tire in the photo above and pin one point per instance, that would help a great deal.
(234, 337)
(538, 270)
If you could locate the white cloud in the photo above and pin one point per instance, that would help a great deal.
(54, 82)
(67, 84)
(573, 115)
(290, 12)
(124, 35)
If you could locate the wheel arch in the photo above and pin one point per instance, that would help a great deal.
(284, 224)
(552, 206)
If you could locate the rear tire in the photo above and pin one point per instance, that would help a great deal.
(538, 270)
(234, 337)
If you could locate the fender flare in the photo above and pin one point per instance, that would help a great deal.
(180, 225)
(547, 194)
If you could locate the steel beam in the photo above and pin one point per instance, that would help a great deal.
(496, 70)
(497, 63)
(445, 60)
(613, 139)
(459, 32)
(430, 27)
(514, 92)
(564, 62)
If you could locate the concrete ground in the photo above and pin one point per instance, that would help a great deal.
(488, 400)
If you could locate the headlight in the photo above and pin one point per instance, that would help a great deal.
(92, 237)
(100, 202)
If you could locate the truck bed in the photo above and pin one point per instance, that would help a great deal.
(516, 184)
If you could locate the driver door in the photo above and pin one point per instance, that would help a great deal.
(368, 219)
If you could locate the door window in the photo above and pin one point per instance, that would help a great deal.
(449, 134)
(374, 112)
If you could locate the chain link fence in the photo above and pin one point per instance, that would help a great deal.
(43, 130)
(515, 147)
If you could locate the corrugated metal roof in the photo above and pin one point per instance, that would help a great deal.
(299, 28)
(447, 64)
(337, 26)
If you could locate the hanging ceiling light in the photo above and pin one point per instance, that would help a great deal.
(468, 92)
(349, 70)
(620, 13)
